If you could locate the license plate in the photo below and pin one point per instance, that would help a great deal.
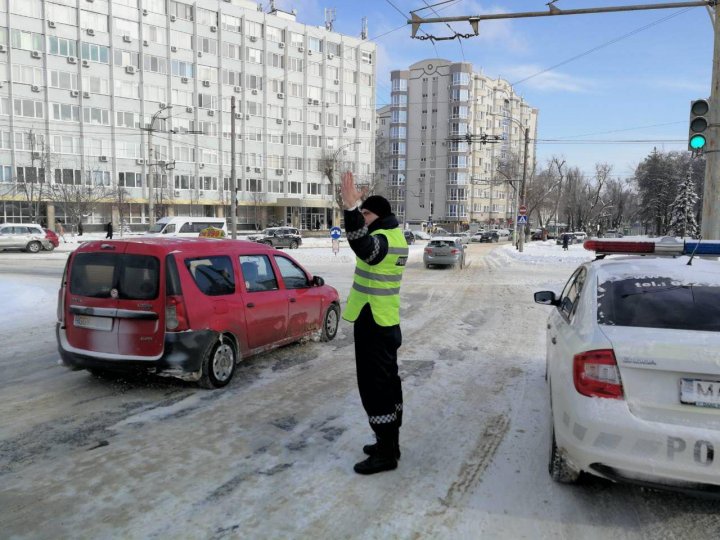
(700, 393)
(92, 322)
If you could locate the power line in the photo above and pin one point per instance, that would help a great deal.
(405, 17)
(602, 45)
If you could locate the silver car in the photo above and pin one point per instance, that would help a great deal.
(26, 236)
(445, 251)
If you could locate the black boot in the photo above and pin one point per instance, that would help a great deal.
(383, 460)
(372, 449)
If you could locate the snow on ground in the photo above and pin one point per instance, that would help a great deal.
(271, 455)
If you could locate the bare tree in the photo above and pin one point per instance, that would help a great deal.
(34, 184)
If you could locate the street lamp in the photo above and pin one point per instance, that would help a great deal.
(520, 193)
(152, 164)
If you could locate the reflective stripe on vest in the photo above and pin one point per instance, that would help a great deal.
(379, 284)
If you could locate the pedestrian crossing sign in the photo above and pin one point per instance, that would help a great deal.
(522, 220)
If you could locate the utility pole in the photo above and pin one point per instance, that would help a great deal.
(710, 229)
(233, 194)
(711, 195)
(151, 165)
(523, 189)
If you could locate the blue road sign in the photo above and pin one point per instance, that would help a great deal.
(335, 233)
(522, 220)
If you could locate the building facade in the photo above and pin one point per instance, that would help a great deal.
(113, 102)
(455, 146)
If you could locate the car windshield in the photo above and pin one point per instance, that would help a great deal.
(156, 228)
(659, 302)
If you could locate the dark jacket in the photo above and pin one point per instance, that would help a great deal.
(371, 249)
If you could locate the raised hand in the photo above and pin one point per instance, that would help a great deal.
(349, 192)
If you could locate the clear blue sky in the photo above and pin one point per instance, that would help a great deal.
(637, 85)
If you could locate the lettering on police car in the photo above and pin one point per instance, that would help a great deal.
(703, 451)
(645, 284)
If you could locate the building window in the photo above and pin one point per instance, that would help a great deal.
(130, 179)
(28, 108)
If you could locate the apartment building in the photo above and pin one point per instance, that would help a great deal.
(112, 102)
(456, 142)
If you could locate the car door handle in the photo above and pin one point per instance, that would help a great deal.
(293, 299)
(554, 341)
(250, 304)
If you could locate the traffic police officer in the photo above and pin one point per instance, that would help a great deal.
(374, 307)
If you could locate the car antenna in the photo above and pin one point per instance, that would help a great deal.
(689, 263)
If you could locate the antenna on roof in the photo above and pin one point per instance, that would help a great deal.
(364, 31)
(329, 18)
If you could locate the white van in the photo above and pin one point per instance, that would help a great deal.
(185, 226)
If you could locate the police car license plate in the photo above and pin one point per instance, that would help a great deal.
(92, 322)
(700, 393)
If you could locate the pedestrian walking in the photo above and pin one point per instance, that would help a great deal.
(109, 230)
(80, 228)
(61, 231)
(373, 305)
(565, 241)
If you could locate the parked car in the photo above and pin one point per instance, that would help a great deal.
(477, 237)
(444, 251)
(580, 236)
(537, 235)
(188, 308)
(28, 237)
(489, 236)
(632, 366)
(52, 237)
(612, 234)
(421, 235)
(279, 237)
(504, 234)
(409, 236)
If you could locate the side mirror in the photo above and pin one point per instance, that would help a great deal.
(318, 281)
(547, 298)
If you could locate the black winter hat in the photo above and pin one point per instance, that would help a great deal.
(378, 205)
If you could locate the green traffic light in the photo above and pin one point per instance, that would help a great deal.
(697, 142)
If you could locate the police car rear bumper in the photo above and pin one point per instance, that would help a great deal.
(602, 437)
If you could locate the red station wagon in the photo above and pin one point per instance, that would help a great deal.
(187, 307)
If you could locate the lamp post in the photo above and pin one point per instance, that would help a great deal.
(521, 192)
(151, 180)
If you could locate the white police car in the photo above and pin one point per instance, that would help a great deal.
(633, 366)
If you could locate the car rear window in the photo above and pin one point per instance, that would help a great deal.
(214, 275)
(440, 243)
(135, 277)
(659, 302)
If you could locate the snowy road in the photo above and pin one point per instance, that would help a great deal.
(271, 456)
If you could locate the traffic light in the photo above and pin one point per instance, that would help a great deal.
(699, 110)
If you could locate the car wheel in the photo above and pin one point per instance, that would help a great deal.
(330, 323)
(558, 467)
(218, 366)
(293, 244)
(427, 265)
(33, 247)
(50, 247)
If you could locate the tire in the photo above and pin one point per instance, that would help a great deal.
(293, 244)
(558, 467)
(33, 247)
(427, 265)
(52, 247)
(218, 366)
(331, 320)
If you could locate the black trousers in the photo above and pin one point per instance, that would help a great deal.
(377, 373)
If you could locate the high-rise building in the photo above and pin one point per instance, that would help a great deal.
(110, 102)
(455, 146)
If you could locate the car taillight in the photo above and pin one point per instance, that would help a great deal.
(428, 250)
(454, 251)
(175, 314)
(596, 374)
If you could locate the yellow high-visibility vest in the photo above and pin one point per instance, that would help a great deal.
(379, 284)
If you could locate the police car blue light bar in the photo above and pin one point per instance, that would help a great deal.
(665, 246)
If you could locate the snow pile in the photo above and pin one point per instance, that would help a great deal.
(547, 251)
